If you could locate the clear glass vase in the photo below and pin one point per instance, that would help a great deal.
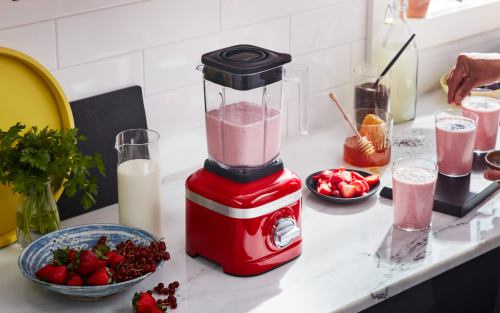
(36, 215)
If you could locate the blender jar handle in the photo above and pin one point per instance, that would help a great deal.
(299, 74)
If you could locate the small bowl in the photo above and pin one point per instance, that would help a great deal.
(488, 158)
(312, 185)
(38, 254)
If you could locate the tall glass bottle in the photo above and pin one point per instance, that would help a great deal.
(405, 70)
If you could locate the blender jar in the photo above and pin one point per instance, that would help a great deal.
(243, 105)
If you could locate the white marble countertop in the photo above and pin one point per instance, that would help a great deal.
(352, 256)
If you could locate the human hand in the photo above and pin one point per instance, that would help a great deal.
(472, 70)
(492, 175)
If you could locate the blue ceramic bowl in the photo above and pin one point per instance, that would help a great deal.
(38, 254)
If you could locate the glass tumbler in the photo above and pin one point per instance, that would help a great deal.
(376, 126)
(413, 191)
(455, 139)
(366, 96)
(139, 180)
(486, 104)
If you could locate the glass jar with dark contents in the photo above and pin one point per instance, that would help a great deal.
(366, 94)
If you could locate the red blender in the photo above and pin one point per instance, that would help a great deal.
(243, 208)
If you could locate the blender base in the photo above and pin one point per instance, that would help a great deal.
(252, 275)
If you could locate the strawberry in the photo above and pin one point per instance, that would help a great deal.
(339, 170)
(74, 280)
(59, 275)
(44, 272)
(326, 174)
(336, 193)
(324, 190)
(373, 179)
(336, 178)
(100, 250)
(325, 181)
(143, 302)
(357, 176)
(60, 256)
(115, 261)
(89, 263)
(158, 309)
(101, 277)
(316, 177)
(108, 256)
(339, 185)
(348, 191)
(366, 187)
(347, 176)
(359, 187)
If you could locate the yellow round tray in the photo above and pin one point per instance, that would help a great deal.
(29, 94)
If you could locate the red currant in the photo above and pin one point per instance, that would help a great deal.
(166, 291)
(149, 292)
(170, 291)
(171, 286)
(176, 284)
(173, 305)
(159, 301)
(161, 285)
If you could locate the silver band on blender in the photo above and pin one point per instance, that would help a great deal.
(243, 213)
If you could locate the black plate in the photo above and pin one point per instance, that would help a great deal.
(312, 185)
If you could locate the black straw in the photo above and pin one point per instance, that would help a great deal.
(393, 61)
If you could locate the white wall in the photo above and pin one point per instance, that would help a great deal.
(95, 46)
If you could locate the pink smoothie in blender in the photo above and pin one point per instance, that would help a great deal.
(455, 137)
(413, 196)
(488, 110)
(243, 138)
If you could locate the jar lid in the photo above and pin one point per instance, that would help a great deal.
(244, 67)
(244, 59)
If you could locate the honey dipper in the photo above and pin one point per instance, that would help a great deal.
(364, 144)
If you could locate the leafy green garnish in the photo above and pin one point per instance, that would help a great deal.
(39, 156)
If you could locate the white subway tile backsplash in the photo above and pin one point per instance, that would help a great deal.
(176, 111)
(328, 27)
(183, 151)
(327, 69)
(30, 11)
(105, 33)
(479, 39)
(237, 13)
(322, 111)
(431, 71)
(101, 76)
(437, 51)
(36, 40)
(358, 49)
(173, 65)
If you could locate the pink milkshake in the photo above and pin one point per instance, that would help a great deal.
(241, 137)
(455, 137)
(488, 110)
(413, 196)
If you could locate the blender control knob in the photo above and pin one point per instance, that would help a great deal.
(286, 230)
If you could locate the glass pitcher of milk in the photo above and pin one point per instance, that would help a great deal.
(139, 180)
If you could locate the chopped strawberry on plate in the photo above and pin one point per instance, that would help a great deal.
(348, 191)
(373, 179)
(336, 178)
(359, 187)
(324, 190)
(347, 176)
(339, 170)
(365, 185)
(326, 174)
(357, 176)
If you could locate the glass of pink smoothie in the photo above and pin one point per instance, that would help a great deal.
(487, 108)
(455, 139)
(413, 190)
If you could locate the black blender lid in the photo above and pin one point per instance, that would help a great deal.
(244, 59)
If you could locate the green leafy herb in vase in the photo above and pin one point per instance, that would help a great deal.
(37, 165)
